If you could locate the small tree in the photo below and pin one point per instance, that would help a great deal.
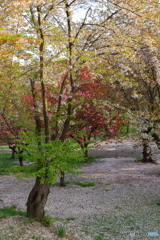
(48, 160)
(90, 122)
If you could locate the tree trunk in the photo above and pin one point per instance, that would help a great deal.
(13, 154)
(86, 155)
(62, 181)
(147, 154)
(37, 200)
(147, 148)
(13, 148)
(156, 139)
(85, 149)
(21, 161)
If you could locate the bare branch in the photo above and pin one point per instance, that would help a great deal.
(33, 16)
(83, 23)
(71, 3)
(116, 4)
(50, 9)
(103, 23)
(60, 25)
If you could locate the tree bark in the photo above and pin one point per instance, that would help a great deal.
(86, 154)
(147, 154)
(147, 149)
(156, 139)
(39, 194)
(21, 161)
(13, 154)
(37, 200)
(13, 148)
(41, 72)
(85, 150)
(14, 151)
(62, 181)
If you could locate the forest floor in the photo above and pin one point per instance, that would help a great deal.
(113, 197)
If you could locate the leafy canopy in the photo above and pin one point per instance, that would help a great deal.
(47, 160)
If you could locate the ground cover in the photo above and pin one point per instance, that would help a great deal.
(111, 198)
(7, 162)
(4, 147)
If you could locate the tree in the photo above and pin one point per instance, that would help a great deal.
(92, 117)
(53, 39)
(134, 70)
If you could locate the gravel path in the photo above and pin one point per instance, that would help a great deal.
(122, 204)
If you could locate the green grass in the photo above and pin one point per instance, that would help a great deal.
(138, 159)
(47, 221)
(90, 184)
(7, 162)
(123, 131)
(100, 237)
(94, 159)
(28, 220)
(57, 184)
(70, 219)
(37, 238)
(91, 160)
(11, 211)
(61, 231)
(4, 147)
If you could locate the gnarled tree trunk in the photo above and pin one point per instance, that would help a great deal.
(156, 139)
(147, 148)
(147, 154)
(37, 200)
(147, 145)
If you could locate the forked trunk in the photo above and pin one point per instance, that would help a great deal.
(37, 200)
(13, 148)
(62, 181)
